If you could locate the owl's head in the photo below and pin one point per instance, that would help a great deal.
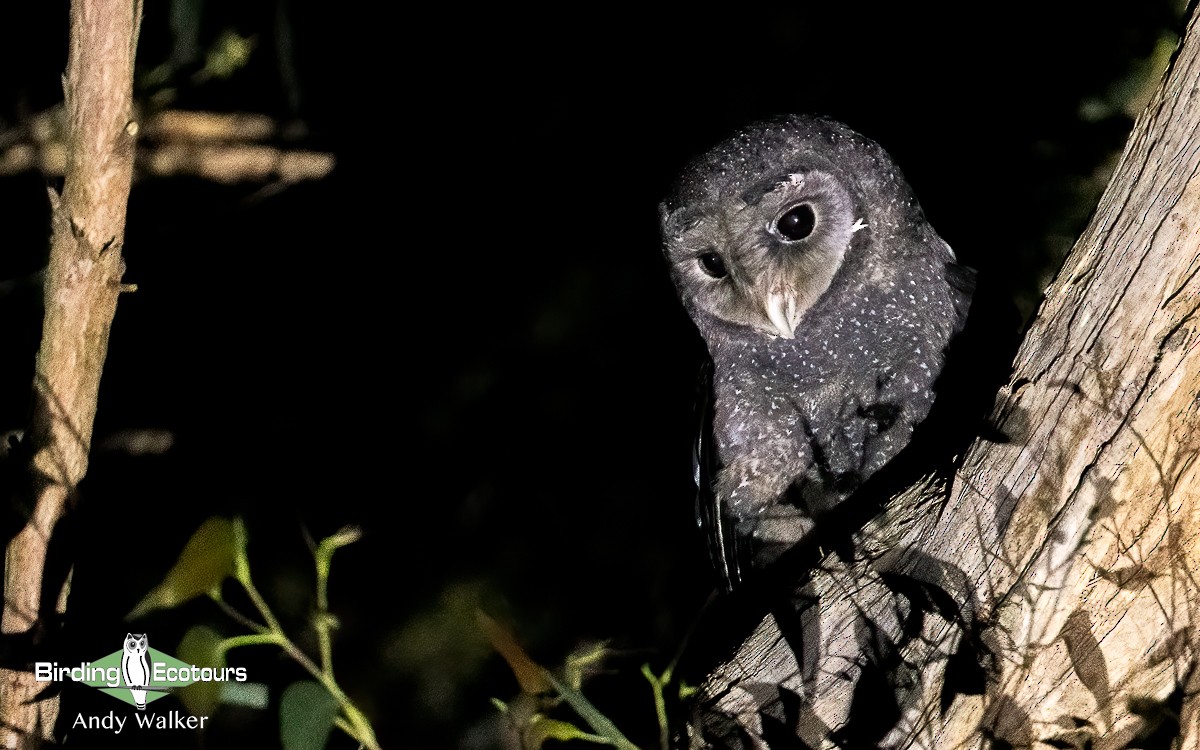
(756, 230)
(135, 644)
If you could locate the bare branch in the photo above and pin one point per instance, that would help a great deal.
(222, 147)
(83, 281)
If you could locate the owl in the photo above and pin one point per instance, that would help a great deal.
(134, 668)
(827, 303)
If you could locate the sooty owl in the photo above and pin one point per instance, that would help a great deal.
(827, 303)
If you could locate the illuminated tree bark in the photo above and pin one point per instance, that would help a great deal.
(83, 281)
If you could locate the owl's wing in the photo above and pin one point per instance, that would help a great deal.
(962, 280)
(722, 542)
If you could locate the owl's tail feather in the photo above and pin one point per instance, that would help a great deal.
(718, 529)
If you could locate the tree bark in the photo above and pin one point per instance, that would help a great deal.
(1046, 596)
(83, 281)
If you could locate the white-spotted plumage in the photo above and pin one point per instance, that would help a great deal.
(827, 302)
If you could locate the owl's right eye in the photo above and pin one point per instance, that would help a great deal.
(797, 223)
(713, 265)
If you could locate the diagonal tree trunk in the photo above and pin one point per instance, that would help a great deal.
(1046, 596)
(83, 281)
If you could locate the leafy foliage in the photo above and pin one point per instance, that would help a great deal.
(308, 709)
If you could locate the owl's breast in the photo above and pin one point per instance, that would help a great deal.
(755, 396)
(815, 416)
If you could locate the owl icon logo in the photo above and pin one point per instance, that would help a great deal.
(135, 669)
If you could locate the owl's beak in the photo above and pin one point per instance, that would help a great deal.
(783, 310)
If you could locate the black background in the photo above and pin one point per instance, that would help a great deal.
(465, 341)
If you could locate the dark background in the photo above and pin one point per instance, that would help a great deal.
(465, 341)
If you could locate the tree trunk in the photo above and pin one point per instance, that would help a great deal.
(83, 280)
(1044, 598)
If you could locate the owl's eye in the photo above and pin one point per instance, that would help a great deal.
(797, 223)
(713, 265)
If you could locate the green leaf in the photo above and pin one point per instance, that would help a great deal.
(249, 694)
(344, 536)
(241, 560)
(207, 560)
(306, 713)
(584, 661)
(229, 54)
(589, 713)
(327, 546)
(201, 646)
(542, 729)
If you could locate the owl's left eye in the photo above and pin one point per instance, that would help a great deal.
(713, 265)
(797, 223)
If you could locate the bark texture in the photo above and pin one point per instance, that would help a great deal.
(83, 281)
(1049, 595)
